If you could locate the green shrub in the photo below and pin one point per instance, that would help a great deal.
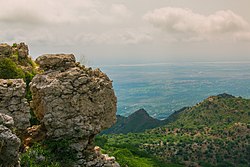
(50, 153)
(9, 69)
(37, 156)
(14, 45)
(126, 158)
(28, 77)
(101, 141)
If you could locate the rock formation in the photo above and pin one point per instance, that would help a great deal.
(5, 50)
(74, 103)
(9, 143)
(14, 103)
(16, 49)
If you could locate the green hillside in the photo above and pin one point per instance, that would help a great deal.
(216, 112)
(215, 132)
(139, 121)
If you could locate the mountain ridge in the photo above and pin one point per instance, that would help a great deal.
(214, 132)
(138, 121)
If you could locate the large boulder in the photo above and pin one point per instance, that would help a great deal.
(9, 143)
(72, 102)
(56, 61)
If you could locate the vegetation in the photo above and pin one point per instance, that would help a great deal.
(15, 67)
(49, 153)
(216, 112)
(10, 70)
(214, 132)
(127, 153)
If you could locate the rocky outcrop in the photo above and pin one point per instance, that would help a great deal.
(16, 49)
(21, 50)
(9, 143)
(56, 61)
(74, 103)
(14, 103)
(5, 50)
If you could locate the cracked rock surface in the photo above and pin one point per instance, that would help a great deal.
(73, 102)
(9, 143)
(14, 103)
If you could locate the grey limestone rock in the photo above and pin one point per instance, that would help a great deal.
(72, 102)
(9, 143)
(56, 61)
(17, 49)
(14, 103)
(6, 120)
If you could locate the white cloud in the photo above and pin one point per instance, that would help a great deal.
(196, 26)
(120, 9)
(64, 21)
(118, 37)
(63, 11)
(111, 25)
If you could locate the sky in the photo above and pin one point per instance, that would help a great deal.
(108, 32)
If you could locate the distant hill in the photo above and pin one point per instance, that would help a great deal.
(139, 121)
(215, 111)
(218, 111)
(214, 132)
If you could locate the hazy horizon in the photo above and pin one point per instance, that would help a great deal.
(164, 88)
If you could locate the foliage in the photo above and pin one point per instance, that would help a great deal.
(50, 153)
(14, 45)
(126, 158)
(37, 157)
(13, 68)
(214, 132)
(127, 153)
(217, 112)
(10, 70)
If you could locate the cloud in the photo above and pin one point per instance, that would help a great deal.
(64, 21)
(243, 36)
(121, 10)
(194, 25)
(60, 12)
(106, 22)
(118, 37)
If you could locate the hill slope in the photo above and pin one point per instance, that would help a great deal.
(214, 132)
(216, 112)
(139, 121)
